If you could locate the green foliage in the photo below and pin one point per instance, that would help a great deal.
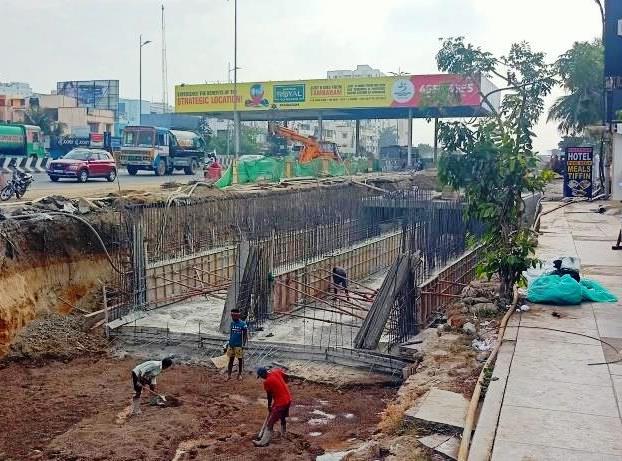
(248, 142)
(44, 120)
(492, 160)
(581, 73)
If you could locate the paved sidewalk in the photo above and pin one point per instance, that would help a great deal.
(556, 406)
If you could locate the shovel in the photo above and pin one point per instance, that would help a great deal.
(263, 428)
(163, 398)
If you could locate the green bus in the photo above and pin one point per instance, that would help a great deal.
(21, 141)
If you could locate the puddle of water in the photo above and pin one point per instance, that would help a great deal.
(315, 434)
(317, 421)
(323, 414)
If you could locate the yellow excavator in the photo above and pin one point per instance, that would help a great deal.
(312, 148)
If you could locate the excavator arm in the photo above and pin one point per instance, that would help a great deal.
(311, 150)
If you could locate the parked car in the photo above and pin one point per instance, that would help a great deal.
(82, 164)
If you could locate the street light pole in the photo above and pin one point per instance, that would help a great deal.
(140, 76)
(604, 156)
(236, 115)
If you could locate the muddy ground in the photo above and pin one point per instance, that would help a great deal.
(78, 411)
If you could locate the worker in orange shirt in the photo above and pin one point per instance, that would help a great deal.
(279, 401)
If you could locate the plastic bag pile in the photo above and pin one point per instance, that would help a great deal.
(553, 289)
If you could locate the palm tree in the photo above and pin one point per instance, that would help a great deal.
(581, 73)
(42, 119)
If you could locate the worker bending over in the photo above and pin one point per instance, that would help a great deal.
(145, 374)
(238, 337)
(340, 279)
(279, 401)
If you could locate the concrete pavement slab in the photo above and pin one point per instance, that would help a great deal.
(617, 384)
(561, 429)
(563, 362)
(506, 450)
(597, 253)
(555, 395)
(440, 407)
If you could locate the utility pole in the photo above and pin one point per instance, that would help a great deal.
(140, 76)
(236, 115)
(164, 67)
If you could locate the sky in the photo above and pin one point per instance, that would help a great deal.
(56, 40)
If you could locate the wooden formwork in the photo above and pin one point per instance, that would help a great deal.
(314, 278)
(173, 280)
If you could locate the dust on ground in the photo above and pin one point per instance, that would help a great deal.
(78, 411)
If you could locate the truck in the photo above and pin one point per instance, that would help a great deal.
(161, 150)
(21, 141)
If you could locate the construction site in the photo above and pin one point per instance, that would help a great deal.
(92, 287)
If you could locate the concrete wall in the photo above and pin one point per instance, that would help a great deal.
(314, 278)
(177, 279)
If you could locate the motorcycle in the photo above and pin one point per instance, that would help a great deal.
(17, 185)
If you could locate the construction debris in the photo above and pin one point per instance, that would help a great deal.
(55, 336)
(444, 409)
(445, 444)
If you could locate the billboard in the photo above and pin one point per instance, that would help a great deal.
(96, 94)
(341, 93)
(578, 172)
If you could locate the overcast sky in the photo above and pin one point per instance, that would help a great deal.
(46, 41)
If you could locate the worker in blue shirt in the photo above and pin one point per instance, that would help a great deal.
(238, 337)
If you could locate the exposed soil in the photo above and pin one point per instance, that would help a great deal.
(78, 411)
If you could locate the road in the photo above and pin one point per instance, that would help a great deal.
(143, 181)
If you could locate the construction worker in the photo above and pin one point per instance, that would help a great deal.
(279, 401)
(340, 279)
(238, 337)
(145, 374)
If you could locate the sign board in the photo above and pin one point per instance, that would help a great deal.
(578, 172)
(97, 139)
(96, 94)
(338, 93)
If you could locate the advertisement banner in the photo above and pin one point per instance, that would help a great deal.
(341, 93)
(97, 94)
(578, 172)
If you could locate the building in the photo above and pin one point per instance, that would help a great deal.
(19, 90)
(13, 109)
(129, 110)
(77, 121)
(362, 70)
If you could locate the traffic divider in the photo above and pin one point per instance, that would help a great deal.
(23, 164)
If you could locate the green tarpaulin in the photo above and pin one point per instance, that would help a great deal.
(274, 170)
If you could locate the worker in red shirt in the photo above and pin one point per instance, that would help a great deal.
(279, 401)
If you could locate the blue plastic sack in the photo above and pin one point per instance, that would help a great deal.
(564, 290)
(553, 289)
(594, 291)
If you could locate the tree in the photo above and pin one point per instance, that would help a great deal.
(43, 119)
(248, 142)
(580, 70)
(492, 160)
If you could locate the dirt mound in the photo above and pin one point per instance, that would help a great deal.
(55, 336)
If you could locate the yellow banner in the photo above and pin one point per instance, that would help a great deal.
(346, 93)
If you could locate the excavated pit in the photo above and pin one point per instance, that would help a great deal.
(48, 266)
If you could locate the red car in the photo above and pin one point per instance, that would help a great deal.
(82, 164)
